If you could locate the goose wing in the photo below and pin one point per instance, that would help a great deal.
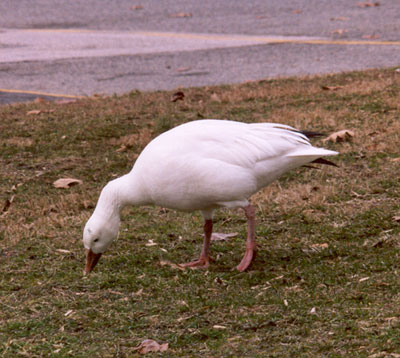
(213, 162)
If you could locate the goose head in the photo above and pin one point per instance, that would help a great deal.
(98, 235)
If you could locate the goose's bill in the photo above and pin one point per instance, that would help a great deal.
(91, 260)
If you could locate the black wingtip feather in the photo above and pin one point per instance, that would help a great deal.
(324, 161)
(311, 134)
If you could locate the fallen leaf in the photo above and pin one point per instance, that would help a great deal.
(182, 303)
(7, 204)
(116, 292)
(34, 112)
(215, 98)
(87, 204)
(66, 183)
(363, 279)
(217, 236)
(137, 7)
(20, 141)
(151, 243)
(62, 251)
(217, 326)
(131, 140)
(331, 88)
(368, 4)
(277, 278)
(341, 136)
(320, 246)
(149, 345)
(177, 96)
(163, 347)
(68, 313)
(37, 111)
(16, 186)
(172, 265)
(296, 11)
(122, 148)
(396, 218)
(139, 292)
(313, 310)
(39, 100)
(181, 14)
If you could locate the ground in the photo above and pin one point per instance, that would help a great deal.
(325, 281)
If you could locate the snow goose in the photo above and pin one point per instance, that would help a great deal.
(202, 165)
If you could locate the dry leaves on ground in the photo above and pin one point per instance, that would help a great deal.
(218, 326)
(215, 98)
(172, 265)
(149, 345)
(131, 140)
(331, 88)
(37, 112)
(177, 96)
(313, 310)
(20, 141)
(340, 136)
(319, 247)
(33, 112)
(66, 183)
(7, 204)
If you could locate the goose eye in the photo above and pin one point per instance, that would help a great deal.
(96, 240)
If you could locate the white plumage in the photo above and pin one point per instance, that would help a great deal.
(201, 165)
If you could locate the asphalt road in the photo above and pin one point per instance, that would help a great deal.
(81, 47)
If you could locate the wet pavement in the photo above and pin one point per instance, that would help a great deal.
(64, 48)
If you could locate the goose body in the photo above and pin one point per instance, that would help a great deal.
(201, 165)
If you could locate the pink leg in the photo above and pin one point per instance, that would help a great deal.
(204, 259)
(251, 245)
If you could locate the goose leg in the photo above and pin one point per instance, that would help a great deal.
(251, 245)
(204, 259)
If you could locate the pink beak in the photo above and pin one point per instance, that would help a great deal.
(91, 261)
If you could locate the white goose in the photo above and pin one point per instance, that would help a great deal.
(202, 165)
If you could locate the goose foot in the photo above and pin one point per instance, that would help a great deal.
(202, 262)
(247, 259)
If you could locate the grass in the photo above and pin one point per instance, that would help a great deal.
(324, 284)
